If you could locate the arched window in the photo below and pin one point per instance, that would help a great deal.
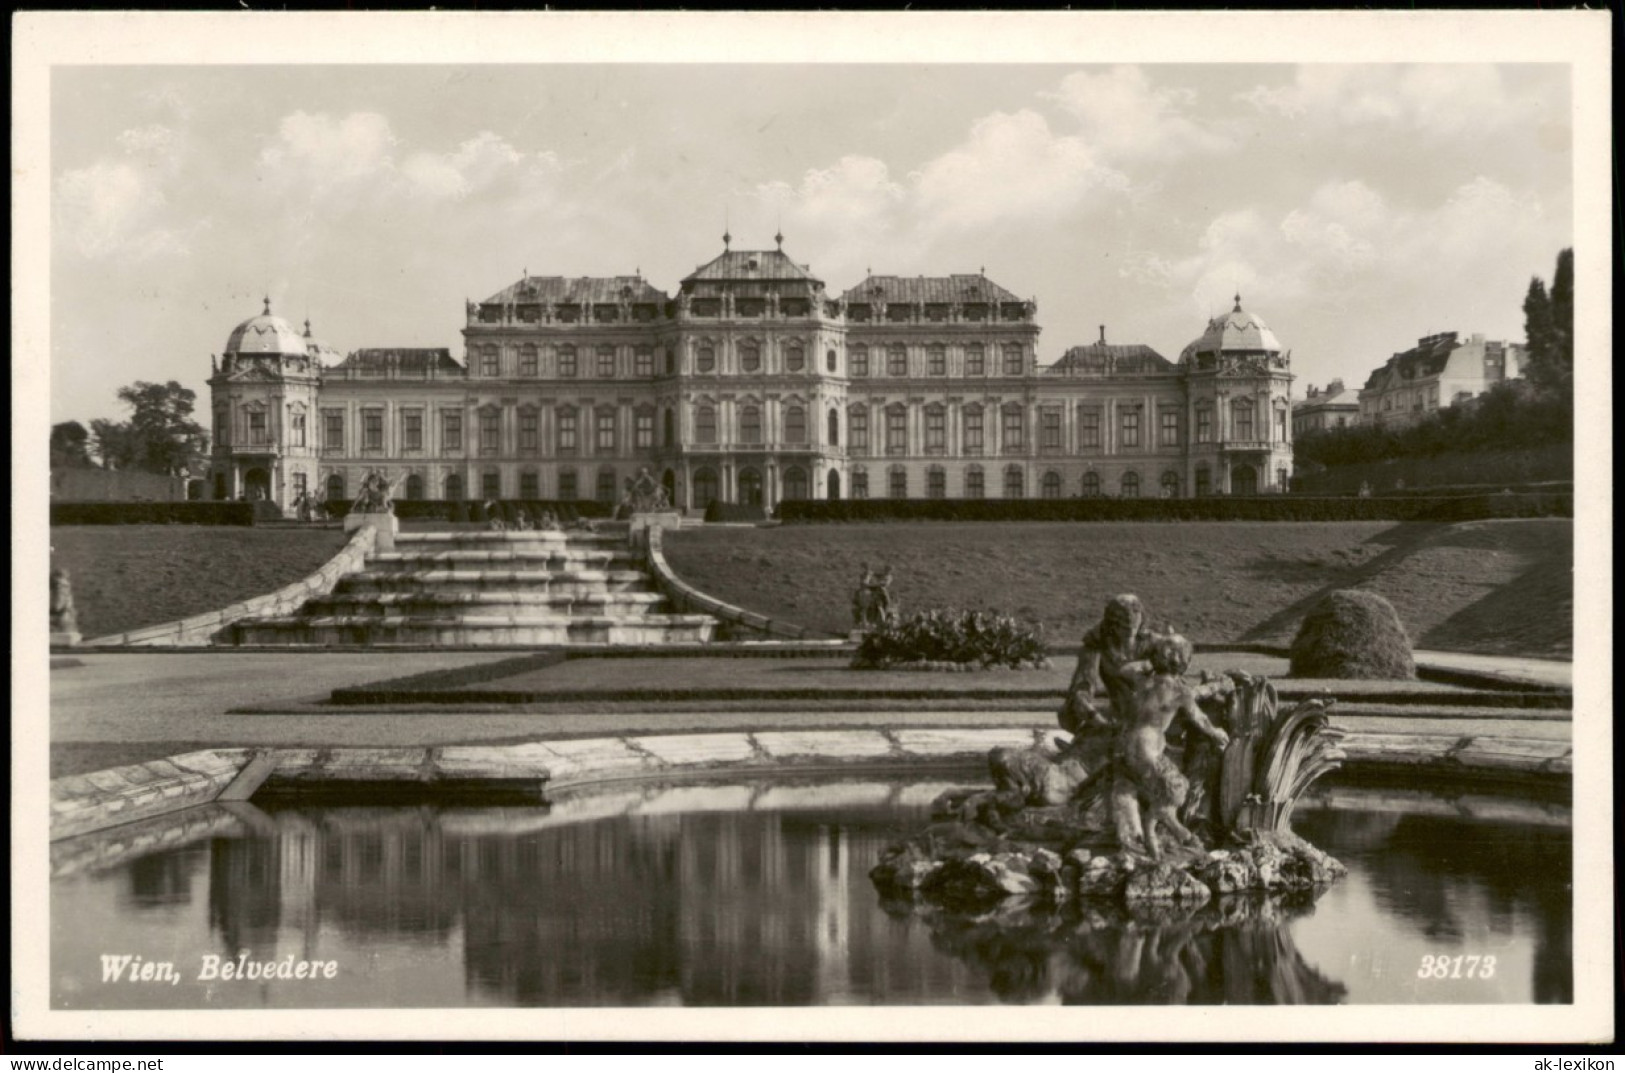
(530, 484)
(860, 483)
(750, 424)
(606, 490)
(750, 356)
(975, 483)
(834, 485)
(1204, 480)
(1170, 484)
(834, 428)
(705, 358)
(454, 486)
(1051, 485)
(414, 486)
(795, 483)
(335, 487)
(750, 487)
(568, 489)
(829, 366)
(1091, 483)
(491, 484)
(897, 483)
(795, 425)
(936, 483)
(705, 424)
(795, 357)
(705, 487)
(1015, 483)
(1244, 481)
(1131, 485)
(1283, 480)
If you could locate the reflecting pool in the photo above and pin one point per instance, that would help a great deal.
(758, 893)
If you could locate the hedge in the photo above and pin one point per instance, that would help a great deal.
(183, 512)
(718, 511)
(460, 510)
(1278, 508)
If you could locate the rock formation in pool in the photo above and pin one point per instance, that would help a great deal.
(1167, 791)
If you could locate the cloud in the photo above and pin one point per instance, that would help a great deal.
(319, 153)
(1447, 99)
(116, 206)
(1121, 116)
(477, 164)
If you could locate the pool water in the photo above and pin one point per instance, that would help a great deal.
(758, 894)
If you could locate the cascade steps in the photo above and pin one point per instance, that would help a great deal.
(474, 588)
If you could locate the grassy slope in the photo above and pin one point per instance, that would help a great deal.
(125, 576)
(1502, 587)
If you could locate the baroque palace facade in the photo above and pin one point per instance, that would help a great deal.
(752, 385)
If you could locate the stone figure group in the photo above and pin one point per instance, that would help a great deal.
(871, 600)
(64, 619)
(643, 495)
(376, 496)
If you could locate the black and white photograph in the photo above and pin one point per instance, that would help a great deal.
(793, 526)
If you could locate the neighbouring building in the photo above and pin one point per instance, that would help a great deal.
(1440, 371)
(1334, 406)
(752, 384)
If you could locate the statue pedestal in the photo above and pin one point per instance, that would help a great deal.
(65, 637)
(652, 519)
(384, 522)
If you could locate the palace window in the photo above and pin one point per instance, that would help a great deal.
(1283, 481)
(1204, 424)
(896, 361)
(257, 435)
(490, 432)
(1241, 414)
(829, 361)
(1089, 427)
(795, 359)
(750, 424)
(604, 432)
(530, 487)
(567, 485)
(1169, 425)
(1012, 440)
(606, 361)
(976, 360)
(896, 430)
(936, 429)
(1170, 485)
(490, 361)
(643, 429)
(857, 431)
(527, 360)
(1280, 419)
(335, 488)
(975, 485)
(529, 425)
(606, 486)
(973, 430)
(897, 483)
(414, 486)
(296, 429)
(860, 483)
(453, 487)
(643, 361)
(1015, 483)
(1012, 359)
(705, 487)
(795, 483)
(567, 431)
(1204, 480)
(669, 431)
(1091, 483)
(451, 432)
(705, 359)
(1049, 430)
(491, 484)
(1131, 427)
(1051, 486)
(372, 430)
(795, 425)
(705, 424)
(412, 430)
(750, 357)
(567, 361)
(834, 435)
(936, 360)
(857, 360)
(936, 483)
(1131, 485)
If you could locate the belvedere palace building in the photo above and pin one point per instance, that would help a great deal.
(753, 384)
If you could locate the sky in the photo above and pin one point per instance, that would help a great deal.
(1355, 208)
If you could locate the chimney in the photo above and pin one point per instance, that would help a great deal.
(1334, 387)
(1102, 335)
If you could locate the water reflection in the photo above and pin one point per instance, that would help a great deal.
(755, 894)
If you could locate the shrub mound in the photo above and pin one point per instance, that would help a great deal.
(944, 640)
(1352, 634)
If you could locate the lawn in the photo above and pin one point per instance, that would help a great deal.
(1493, 587)
(126, 576)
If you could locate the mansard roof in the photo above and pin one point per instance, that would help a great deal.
(577, 290)
(929, 290)
(1427, 358)
(751, 265)
(1110, 359)
(406, 358)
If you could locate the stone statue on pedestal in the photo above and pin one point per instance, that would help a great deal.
(64, 620)
(871, 600)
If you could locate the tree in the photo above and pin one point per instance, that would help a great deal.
(70, 445)
(157, 437)
(1548, 330)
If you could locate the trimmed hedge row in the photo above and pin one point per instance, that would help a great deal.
(718, 511)
(463, 510)
(192, 512)
(1279, 508)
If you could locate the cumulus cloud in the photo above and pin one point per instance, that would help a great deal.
(318, 152)
(1438, 98)
(117, 206)
(1122, 116)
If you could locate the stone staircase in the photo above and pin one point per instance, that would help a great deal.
(479, 588)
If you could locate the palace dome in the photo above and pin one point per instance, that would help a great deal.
(266, 334)
(324, 354)
(1235, 332)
